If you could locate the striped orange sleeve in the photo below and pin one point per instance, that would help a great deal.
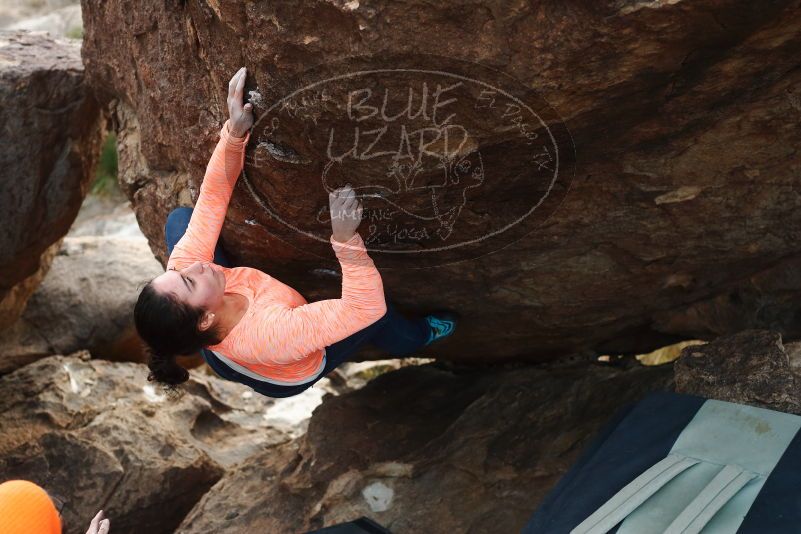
(284, 334)
(222, 172)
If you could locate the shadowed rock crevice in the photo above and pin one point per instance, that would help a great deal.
(99, 435)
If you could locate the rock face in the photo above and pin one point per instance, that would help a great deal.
(426, 449)
(51, 135)
(679, 219)
(751, 367)
(85, 302)
(98, 435)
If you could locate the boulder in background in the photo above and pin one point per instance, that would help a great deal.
(52, 130)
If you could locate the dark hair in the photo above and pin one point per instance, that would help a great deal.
(169, 327)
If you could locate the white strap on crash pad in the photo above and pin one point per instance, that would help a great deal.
(718, 492)
(633, 495)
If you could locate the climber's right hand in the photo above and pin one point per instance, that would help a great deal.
(240, 117)
(346, 213)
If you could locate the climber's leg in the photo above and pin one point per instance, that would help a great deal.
(177, 222)
(399, 335)
(393, 333)
(342, 350)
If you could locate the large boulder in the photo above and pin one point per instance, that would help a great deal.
(684, 117)
(51, 127)
(427, 449)
(98, 435)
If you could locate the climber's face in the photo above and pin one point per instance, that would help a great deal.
(201, 284)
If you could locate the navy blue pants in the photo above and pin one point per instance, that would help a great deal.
(393, 333)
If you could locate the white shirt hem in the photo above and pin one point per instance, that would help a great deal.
(247, 372)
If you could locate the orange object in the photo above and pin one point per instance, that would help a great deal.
(26, 508)
(281, 336)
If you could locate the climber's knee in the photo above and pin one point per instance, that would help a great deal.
(180, 216)
(175, 227)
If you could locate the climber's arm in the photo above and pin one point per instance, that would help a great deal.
(288, 334)
(284, 334)
(222, 172)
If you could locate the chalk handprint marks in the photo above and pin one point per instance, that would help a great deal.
(427, 192)
(448, 164)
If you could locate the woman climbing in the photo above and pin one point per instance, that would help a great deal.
(250, 327)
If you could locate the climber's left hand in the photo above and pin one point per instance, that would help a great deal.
(241, 117)
(100, 524)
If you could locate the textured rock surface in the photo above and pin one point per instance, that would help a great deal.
(85, 302)
(751, 367)
(51, 138)
(427, 449)
(686, 117)
(98, 435)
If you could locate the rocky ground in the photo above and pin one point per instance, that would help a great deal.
(435, 447)
(420, 448)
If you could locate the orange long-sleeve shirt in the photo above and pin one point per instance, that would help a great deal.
(281, 336)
